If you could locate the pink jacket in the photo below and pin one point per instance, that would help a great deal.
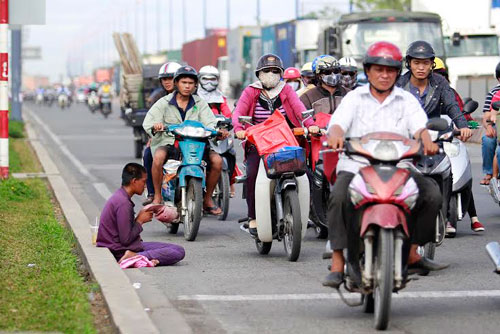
(289, 99)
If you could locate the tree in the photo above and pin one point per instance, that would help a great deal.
(327, 12)
(367, 5)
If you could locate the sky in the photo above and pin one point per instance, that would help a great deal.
(79, 32)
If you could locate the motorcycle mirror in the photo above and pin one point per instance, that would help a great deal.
(495, 105)
(307, 113)
(245, 119)
(470, 106)
(437, 124)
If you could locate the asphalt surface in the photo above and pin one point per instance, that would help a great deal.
(224, 286)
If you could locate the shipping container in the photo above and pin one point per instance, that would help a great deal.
(206, 51)
(285, 43)
(242, 57)
(268, 38)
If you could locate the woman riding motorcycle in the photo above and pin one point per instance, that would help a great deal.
(259, 100)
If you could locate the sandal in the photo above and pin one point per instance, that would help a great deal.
(212, 210)
(486, 180)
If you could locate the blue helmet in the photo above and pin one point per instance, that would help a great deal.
(324, 62)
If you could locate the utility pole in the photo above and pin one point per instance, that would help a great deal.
(4, 89)
(158, 26)
(184, 22)
(258, 13)
(145, 27)
(170, 25)
(297, 4)
(16, 45)
(228, 15)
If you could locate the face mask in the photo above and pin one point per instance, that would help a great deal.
(294, 84)
(331, 80)
(269, 80)
(348, 81)
(209, 85)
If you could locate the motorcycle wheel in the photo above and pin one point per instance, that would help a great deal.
(138, 149)
(173, 228)
(194, 202)
(263, 247)
(453, 216)
(384, 278)
(293, 226)
(222, 194)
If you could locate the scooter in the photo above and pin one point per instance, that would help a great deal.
(185, 179)
(93, 102)
(462, 174)
(105, 104)
(382, 194)
(222, 190)
(39, 98)
(62, 100)
(282, 189)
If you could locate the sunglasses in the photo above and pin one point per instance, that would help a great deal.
(274, 70)
(351, 73)
(330, 71)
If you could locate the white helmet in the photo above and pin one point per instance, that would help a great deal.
(168, 70)
(348, 64)
(208, 70)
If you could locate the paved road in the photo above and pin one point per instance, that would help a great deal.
(224, 286)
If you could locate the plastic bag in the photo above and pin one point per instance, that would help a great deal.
(271, 135)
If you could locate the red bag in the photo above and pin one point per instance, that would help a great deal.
(271, 135)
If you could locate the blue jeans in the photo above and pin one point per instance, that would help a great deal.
(147, 158)
(489, 145)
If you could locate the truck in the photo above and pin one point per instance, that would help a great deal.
(354, 33)
(471, 44)
(243, 48)
(205, 51)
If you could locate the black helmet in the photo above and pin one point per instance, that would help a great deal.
(419, 50)
(497, 71)
(267, 61)
(186, 71)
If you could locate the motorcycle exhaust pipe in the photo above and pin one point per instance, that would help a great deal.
(493, 250)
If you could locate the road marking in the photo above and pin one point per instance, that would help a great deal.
(101, 188)
(104, 167)
(335, 296)
(95, 137)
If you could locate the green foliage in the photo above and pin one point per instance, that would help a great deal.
(41, 287)
(367, 5)
(327, 12)
(16, 129)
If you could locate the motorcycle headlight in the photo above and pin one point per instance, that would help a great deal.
(451, 149)
(192, 131)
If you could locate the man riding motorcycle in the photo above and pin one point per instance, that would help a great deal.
(379, 105)
(349, 72)
(259, 100)
(172, 109)
(432, 90)
(308, 78)
(328, 93)
(208, 90)
(166, 77)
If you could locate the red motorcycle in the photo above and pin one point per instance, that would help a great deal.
(382, 195)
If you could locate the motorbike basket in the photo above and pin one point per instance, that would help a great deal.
(287, 160)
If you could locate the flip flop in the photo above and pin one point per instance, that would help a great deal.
(486, 180)
(212, 210)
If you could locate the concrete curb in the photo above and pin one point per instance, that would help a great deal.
(126, 309)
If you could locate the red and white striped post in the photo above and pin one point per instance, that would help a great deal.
(4, 89)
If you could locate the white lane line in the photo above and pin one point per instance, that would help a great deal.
(101, 188)
(335, 296)
(95, 137)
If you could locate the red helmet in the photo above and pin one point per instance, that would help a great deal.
(383, 53)
(291, 73)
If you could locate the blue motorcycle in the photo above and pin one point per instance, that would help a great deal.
(186, 188)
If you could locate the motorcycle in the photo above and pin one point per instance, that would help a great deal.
(462, 174)
(93, 102)
(39, 99)
(222, 190)
(282, 188)
(382, 194)
(105, 101)
(62, 100)
(184, 180)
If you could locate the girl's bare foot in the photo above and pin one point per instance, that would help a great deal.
(155, 262)
(128, 254)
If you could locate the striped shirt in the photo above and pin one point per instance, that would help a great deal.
(487, 101)
(260, 113)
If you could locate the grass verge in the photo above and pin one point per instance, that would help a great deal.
(41, 287)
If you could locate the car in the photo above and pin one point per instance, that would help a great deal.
(81, 96)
